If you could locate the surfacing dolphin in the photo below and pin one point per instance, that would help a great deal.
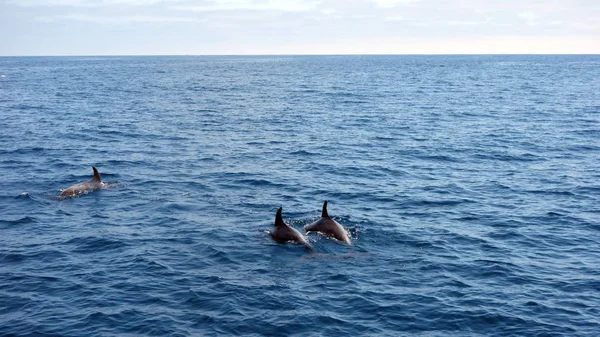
(284, 233)
(81, 188)
(326, 225)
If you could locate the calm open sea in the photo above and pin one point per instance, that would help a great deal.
(470, 186)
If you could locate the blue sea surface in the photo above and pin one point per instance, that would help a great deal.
(470, 186)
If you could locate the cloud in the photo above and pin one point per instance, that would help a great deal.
(251, 5)
(392, 3)
(463, 23)
(395, 18)
(181, 5)
(114, 19)
(86, 3)
(529, 16)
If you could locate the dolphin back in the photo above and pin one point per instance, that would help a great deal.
(81, 188)
(326, 225)
(284, 233)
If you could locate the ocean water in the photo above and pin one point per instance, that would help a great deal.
(470, 186)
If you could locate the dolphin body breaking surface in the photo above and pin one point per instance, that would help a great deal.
(284, 233)
(85, 187)
(326, 225)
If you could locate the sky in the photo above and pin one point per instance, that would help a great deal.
(275, 27)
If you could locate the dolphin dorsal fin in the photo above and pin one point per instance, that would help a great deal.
(324, 213)
(96, 175)
(279, 219)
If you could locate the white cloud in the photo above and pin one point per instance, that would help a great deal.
(329, 11)
(86, 3)
(114, 19)
(463, 23)
(251, 5)
(392, 3)
(592, 27)
(49, 3)
(395, 18)
(529, 16)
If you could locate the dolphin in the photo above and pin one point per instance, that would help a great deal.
(284, 233)
(92, 185)
(326, 225)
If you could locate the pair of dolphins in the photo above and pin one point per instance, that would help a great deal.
(326, 225)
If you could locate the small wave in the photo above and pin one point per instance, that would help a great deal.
(505, 235)
(306, 90)
(25, 196)
(526, 157)
(175, 206)
(342, 94)
(385, 139)
(29, 107)
(441, 158)
(259, 182)
(24, 150)
(583, 147)
(21, 221)
(215, 255)
(551, 192)
(354, 102)
(211, 111)
(442, 203)
(11, 258)
(303, 153)
(92, 244)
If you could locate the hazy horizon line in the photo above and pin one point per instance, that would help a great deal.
(307, 54)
